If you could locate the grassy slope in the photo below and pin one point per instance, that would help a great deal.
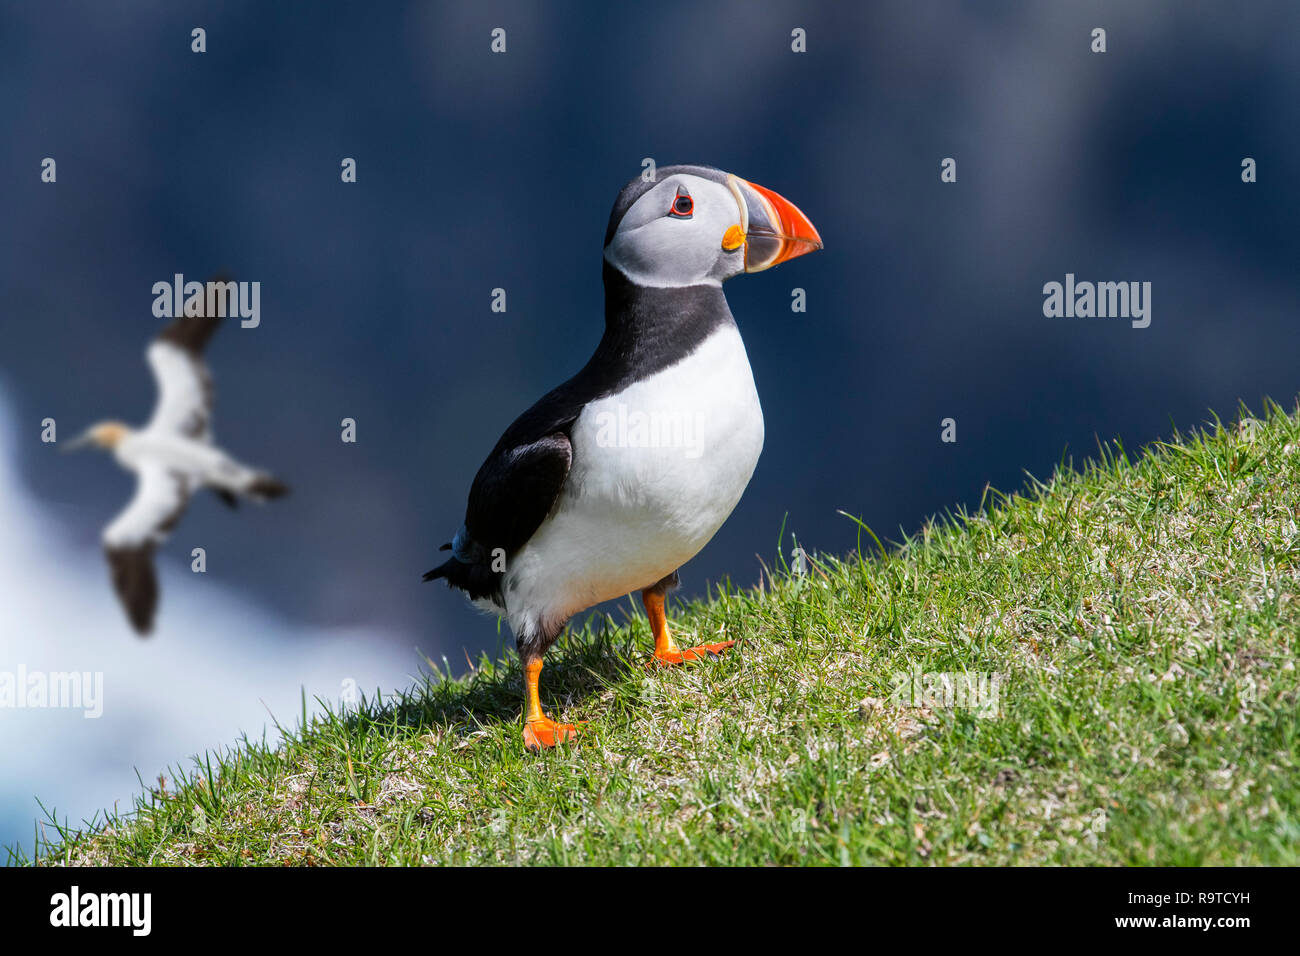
(1143, 617)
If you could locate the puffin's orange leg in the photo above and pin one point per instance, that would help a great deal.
(539, 730)
(667, 653)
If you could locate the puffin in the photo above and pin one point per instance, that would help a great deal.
(613, 480)
(172, 456)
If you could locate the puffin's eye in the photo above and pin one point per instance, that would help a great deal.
(683, 206)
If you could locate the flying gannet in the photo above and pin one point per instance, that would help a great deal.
(172, 457)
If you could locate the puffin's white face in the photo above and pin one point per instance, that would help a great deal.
(673, 235)
(688, 230)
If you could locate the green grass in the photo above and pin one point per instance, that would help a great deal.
(1140, 616)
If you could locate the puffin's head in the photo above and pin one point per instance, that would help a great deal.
(696, 224)
(106, 435)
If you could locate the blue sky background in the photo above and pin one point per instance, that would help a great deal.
(479, 171)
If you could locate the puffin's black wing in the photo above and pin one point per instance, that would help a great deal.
(514, 490)
(512, 494)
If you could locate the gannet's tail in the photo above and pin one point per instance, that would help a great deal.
(265, 487)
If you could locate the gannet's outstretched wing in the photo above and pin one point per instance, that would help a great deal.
(160, 500)
(184, 385)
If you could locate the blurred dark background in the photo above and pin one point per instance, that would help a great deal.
(479, 170)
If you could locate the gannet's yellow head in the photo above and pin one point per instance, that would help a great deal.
(106, 435)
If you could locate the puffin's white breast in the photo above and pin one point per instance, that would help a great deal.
(657, 468)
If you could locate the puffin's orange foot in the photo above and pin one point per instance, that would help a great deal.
(669, 658)
(546, 733)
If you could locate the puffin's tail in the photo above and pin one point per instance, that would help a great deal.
(478, 580)
(443, 570)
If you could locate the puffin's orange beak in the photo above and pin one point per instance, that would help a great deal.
(773, 228)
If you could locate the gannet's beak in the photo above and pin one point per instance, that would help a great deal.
(773, 229)
(81, 441)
